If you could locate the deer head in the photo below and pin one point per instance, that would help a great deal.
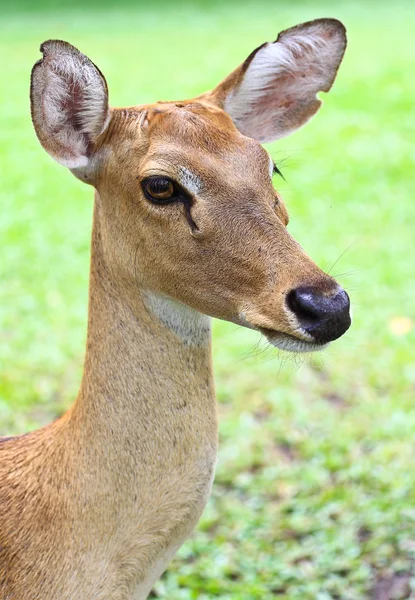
(185, 199)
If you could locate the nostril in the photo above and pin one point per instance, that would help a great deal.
(302, 303)
(324, 317)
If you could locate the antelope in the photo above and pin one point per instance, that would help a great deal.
(187, 226)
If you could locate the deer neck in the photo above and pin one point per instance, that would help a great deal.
(129, 468)
(147, 388)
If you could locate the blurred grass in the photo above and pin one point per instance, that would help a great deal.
(314, 494)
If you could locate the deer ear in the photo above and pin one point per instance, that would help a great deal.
(273, 92)
(69, 103)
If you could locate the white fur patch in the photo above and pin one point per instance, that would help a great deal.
(292, 344)
(191, 326)
(190, 181)
(284, 341)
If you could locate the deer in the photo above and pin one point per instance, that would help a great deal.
(187, 226)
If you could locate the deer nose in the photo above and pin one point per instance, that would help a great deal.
(324, 317)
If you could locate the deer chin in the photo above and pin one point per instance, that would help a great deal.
(290, 343)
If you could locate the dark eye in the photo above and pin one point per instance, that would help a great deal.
(160, 190)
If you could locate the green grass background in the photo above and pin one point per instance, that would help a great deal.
(314, 493)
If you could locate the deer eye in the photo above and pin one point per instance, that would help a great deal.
(160, 190)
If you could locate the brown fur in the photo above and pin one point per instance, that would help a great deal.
(93, 506)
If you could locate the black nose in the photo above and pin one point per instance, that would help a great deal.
(324, 317)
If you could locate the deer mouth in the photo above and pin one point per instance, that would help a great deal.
(291, 343)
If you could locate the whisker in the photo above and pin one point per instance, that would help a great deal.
(255, 350)
(347, 273)
(342, 254)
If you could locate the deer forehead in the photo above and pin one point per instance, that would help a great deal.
(194, 144)
(197, 144)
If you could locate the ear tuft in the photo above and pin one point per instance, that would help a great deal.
(274, 91)
(69, 103)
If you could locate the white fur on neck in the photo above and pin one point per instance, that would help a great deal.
(191, 326)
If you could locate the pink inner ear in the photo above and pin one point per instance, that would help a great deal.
(270, 98)
(274, 92)
(276, 109)
(72, 104)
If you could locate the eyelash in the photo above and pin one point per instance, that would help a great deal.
(276, 171)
